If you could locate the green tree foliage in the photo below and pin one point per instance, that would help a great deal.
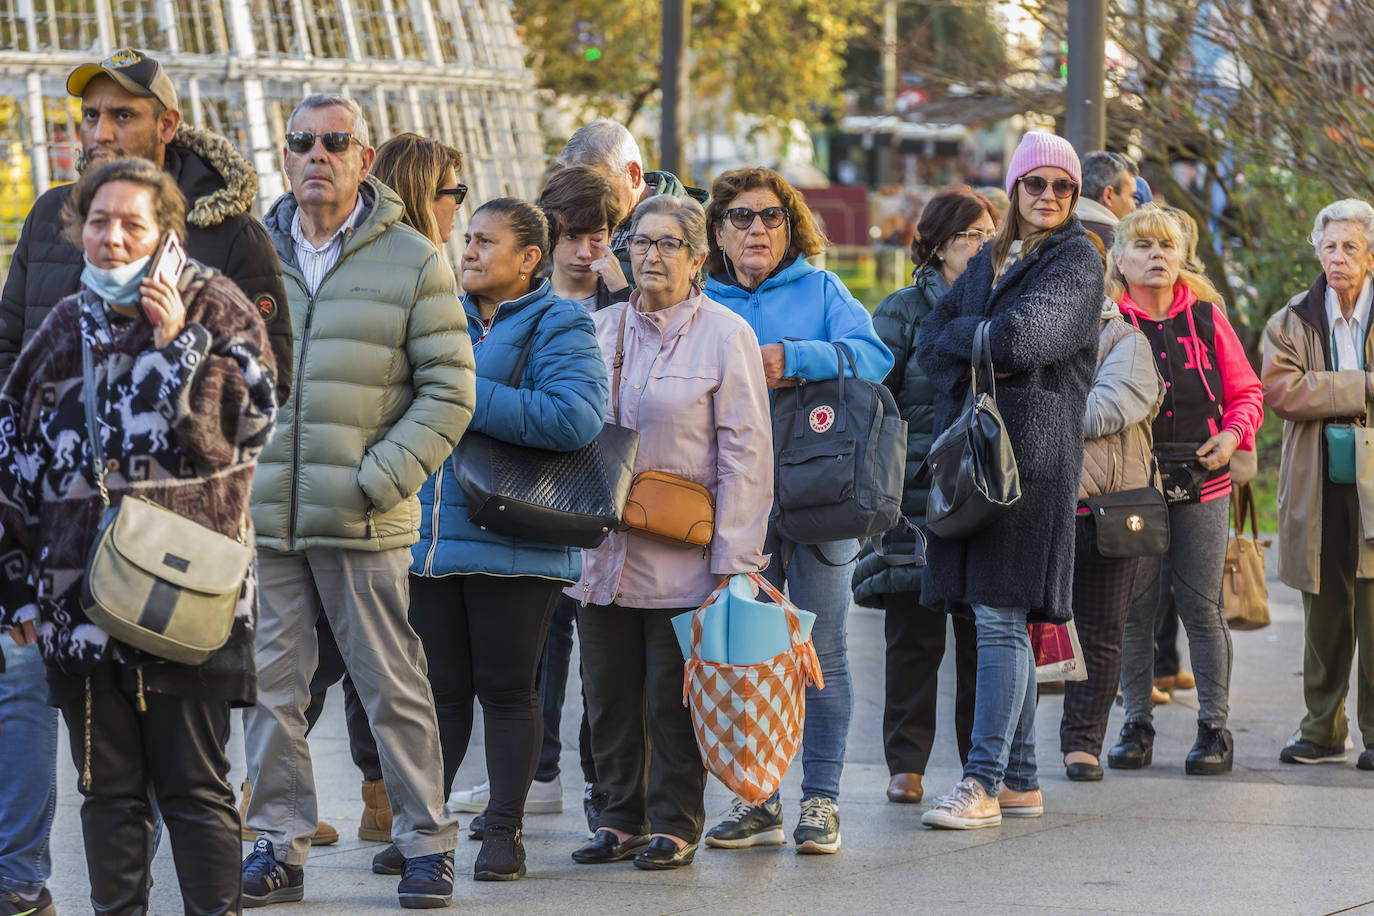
(777, 59)
(960, 41)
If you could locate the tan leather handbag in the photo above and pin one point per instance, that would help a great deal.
(1244, 593)
(662, 506)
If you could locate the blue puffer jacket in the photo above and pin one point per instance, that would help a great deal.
(814, 307)
(559, 406)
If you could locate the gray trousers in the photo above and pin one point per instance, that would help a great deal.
(1192, 568)
(366, 597)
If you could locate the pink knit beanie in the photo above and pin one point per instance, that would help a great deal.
(1039, 148)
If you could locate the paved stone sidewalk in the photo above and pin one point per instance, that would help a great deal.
(1268, 839)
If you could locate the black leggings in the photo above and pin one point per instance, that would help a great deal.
(484, 639)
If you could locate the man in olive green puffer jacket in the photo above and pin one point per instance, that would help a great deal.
(383, 390)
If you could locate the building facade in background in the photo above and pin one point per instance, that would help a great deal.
(450, 69)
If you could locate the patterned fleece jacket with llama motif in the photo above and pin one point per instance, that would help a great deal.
(181, 426)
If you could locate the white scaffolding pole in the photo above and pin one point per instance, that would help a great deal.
(38, 133)
(270, 184)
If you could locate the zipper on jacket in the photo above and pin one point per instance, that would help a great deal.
(299, 383)
(434, 521)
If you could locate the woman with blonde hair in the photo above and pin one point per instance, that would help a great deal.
(424, 174)
(1212, 405)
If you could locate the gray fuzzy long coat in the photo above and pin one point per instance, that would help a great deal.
(1044, 316)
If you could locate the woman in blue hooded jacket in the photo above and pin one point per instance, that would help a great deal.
(481, 601)
(760, 233)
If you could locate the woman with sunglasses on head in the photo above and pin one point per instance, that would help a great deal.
(1213, 404)
(424, 174)
(954, 226)
(480, 601)
(761, 234)
(686, 376)
(1038, 285)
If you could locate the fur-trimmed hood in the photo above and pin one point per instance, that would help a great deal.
(219, 182)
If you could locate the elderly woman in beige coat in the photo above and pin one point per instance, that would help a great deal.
(1317, 355)
(691, 382)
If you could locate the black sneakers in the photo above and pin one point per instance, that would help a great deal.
(1134, 749)
(1212, 753)
(11, 904)
(818, 829)
(427, 882)
(502, 857)
(389, 861)
(265, 880)
(594, 803)
(748, 825)
(1366, 761)
(1300, 750)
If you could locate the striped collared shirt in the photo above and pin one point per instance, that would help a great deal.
(316, 262)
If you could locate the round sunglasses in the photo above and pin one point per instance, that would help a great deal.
(334, 141)
(1063, 187)
(743, 217)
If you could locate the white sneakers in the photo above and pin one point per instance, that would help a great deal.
(543, 798)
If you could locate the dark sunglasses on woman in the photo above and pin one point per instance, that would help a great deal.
(334, 141)
(743, 217)
(1063, 187)
(457, 193)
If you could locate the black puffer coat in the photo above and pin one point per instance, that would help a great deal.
(898, 322)
(219, 185)
(1044, 316)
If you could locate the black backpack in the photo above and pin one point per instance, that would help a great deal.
(840, 447)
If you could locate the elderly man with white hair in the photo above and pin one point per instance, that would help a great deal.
(1317, 354)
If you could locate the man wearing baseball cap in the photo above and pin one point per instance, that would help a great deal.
(128, 108)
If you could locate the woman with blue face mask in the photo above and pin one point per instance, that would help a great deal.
(181, 388)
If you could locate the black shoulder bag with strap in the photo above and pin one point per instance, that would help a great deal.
(973, 473)
(571, 498)
(840, 447)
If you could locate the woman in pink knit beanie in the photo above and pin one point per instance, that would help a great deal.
(1038, 288)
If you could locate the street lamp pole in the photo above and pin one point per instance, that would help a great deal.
(674, 81)
(1085, 119)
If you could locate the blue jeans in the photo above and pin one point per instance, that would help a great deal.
(1004, 702)
(826, 592)
(553, 685)
(28, 793)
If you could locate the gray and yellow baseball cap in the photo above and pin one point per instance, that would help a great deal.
(133, 70)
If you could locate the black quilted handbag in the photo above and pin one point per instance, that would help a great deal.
(571, 498)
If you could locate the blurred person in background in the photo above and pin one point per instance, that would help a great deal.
(1108, 193)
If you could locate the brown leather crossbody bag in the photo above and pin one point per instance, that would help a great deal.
(662, 506)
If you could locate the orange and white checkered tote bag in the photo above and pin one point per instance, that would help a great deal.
(748, 718)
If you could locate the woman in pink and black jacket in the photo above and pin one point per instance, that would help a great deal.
(1213, 404)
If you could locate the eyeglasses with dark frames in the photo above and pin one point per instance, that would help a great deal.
(743, 217)
(1063, 187)
(668, 246)
(334, 141)
(457, 193)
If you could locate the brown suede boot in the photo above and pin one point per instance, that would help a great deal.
(325, 835)
(375, 824)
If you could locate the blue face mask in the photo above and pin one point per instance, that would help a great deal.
(115, 285)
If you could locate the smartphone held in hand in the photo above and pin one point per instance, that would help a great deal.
(166, 265)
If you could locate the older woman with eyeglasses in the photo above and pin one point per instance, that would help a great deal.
(685, 374)
(761, 234)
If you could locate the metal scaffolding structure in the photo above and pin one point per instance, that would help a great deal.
(450, 69)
